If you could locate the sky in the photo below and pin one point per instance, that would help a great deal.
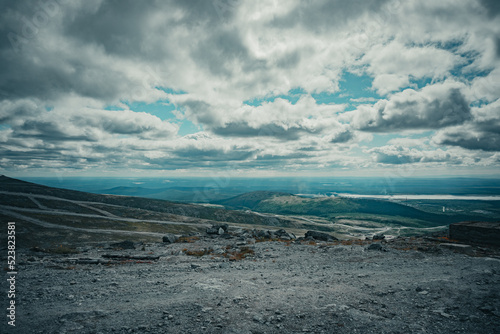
(250, 88)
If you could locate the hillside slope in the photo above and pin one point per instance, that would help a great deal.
(333, 207)
(189, 210)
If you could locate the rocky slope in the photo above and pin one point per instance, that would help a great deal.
(230, 283)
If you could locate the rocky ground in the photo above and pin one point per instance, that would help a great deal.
(236, 284)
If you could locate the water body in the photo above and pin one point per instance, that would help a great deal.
(423, 197)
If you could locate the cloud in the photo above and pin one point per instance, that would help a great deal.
(485, 87)
(64, 64)
(15, 111)
(279, 118)
(392, 65)
(324, 15)
(469, 138)
(398, 155)
(433, 107)
(481, 133)
(90, 124)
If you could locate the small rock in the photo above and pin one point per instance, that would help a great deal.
(258, 318)
(442, 313)
(488, 309)
(375, 247)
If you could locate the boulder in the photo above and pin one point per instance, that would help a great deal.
(379, 236)
(320, 236)
(170, 238)
(282, 234)
(482, 233)
(218, 229)
(263, 234)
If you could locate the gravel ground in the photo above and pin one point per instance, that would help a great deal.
(404, 286)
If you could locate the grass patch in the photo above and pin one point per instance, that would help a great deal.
(233, 255)
(199, 252)
(190, 239)
(240, 254)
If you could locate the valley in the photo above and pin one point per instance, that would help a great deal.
(88, 216)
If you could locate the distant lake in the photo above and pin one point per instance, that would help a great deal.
(424, 197)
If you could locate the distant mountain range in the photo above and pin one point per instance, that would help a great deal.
(346, 216)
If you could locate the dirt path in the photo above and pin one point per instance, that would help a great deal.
(45, 224)
(11, 209)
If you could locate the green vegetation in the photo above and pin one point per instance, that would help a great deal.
(182, 209)
(82, 215)
(333, 208)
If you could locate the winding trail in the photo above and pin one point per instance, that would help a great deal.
(15, 212)
(37, 203)
(79, 229)
(7, 208)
